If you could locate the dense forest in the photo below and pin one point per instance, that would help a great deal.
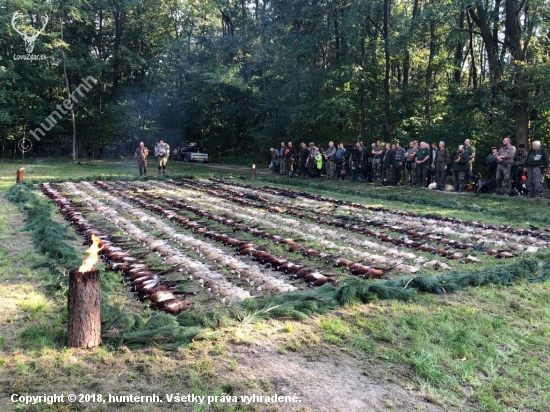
(241, 76)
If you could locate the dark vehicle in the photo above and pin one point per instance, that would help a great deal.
(191, 152)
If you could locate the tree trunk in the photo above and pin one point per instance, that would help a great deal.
(472, 53)
(387, 52)
(362, 92)
(522, 123)
(459, 51)
(407, 59)
(119, 16)
(428, 104)
(67, 84)
(84, 324)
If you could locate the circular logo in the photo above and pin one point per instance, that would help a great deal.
(24, 145)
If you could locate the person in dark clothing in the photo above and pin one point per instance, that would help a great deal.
(410, 165)
(377, 153)
(441, 161)
(422, 164)
(347, 159)
(431, 170)
(355, 163)
(290, 154)
(366, 164)
(312, 162)
(274, 163)
(471, 151)
(387, 164)
(518, 165)
(340, 156)
(282, 159)
(398, 159)
(491, 163)
(304, 161)
(460, 168)
(537, 166)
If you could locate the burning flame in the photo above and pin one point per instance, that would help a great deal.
(253, 166)
(93, 257)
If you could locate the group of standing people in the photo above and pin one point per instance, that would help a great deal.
(508, 166)
(162, 152)
(423, 164)
(420, 165)
(307, 161)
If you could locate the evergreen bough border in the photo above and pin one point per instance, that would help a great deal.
(170, 332)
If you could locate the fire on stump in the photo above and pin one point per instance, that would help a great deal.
(84, 324)
(253, 171)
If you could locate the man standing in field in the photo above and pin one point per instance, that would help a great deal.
(162, 151)
(518, 164)
(340, 156)
(505, 158)
(422, 163)
(398, 159)
(290, 154)
(141, 154)
(442, 158)
(330, 156)
(460, 166)
(282, 161)
(471, 152)
(377, 156)
(537, 165)
(410, 165)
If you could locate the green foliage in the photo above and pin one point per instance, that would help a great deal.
(48, 236)
(42, 336)
(243, 81)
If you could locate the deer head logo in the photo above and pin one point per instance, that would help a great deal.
(29, 40)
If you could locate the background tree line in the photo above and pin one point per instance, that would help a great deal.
(239, 76)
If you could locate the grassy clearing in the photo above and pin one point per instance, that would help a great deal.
(479, 349)
(481, 344)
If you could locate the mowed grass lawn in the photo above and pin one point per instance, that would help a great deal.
(480, 349)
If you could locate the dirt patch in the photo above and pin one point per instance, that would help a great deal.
(330, 380)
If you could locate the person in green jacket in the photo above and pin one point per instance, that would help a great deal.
(422, 163)
(441, 161)
(471, 151)
(537, 165)
(460, 168)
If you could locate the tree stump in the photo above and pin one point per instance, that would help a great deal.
(20, 175)
(84, 326)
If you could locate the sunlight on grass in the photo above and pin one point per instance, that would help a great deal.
(35, 304)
